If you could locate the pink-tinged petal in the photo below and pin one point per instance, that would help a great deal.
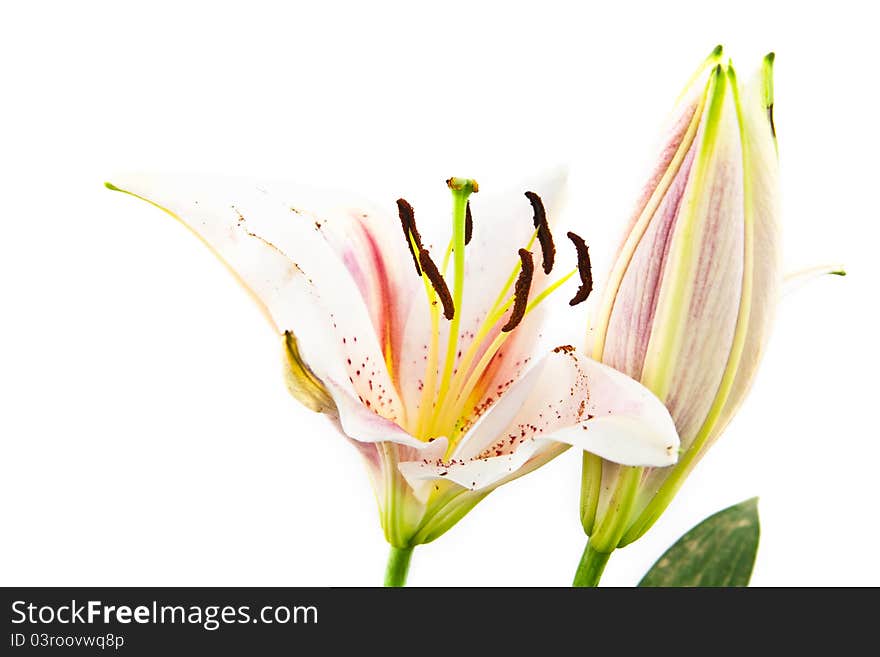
(629, 328)
(509, 364)
(566, 399)
(367, 239)
(279, 253)
(761, 201)
(694, 322)
(676, 139)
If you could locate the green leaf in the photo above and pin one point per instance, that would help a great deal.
(720, 551)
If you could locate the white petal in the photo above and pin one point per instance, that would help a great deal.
(568, 399)
(281, 255)
(360, 423)
(375, 437)
(604, 412)
(474, 475)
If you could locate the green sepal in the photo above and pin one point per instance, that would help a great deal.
(301, 382)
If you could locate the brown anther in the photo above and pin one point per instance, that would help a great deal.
(545, 237)
(584, 269)
(468, 224)
(438, 282)
(410, 232)
(521, 291)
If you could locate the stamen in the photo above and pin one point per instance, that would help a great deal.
(584, 269)
(438, 282)
(410, 232)
(545, 237)
(468, 224)
(521, 291)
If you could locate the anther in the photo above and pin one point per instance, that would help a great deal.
(438, 282)
(584, 269)
(410, 232)
(545, 238)
(521, 291)
(468, 224)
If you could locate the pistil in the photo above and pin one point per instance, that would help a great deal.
(461, 189)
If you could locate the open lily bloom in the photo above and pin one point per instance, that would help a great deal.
(693, 290)
(436, 384)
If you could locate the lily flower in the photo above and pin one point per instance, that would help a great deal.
(692, 292)
(436, 383)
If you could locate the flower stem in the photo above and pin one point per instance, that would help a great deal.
(398, 566)
(591, 567)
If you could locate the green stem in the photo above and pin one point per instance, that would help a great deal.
(398, 566)
(591, 567)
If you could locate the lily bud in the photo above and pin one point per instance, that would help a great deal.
(692, 292)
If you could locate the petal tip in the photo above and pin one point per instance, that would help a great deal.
(767, 77)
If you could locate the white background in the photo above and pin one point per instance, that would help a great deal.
(147, 437)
